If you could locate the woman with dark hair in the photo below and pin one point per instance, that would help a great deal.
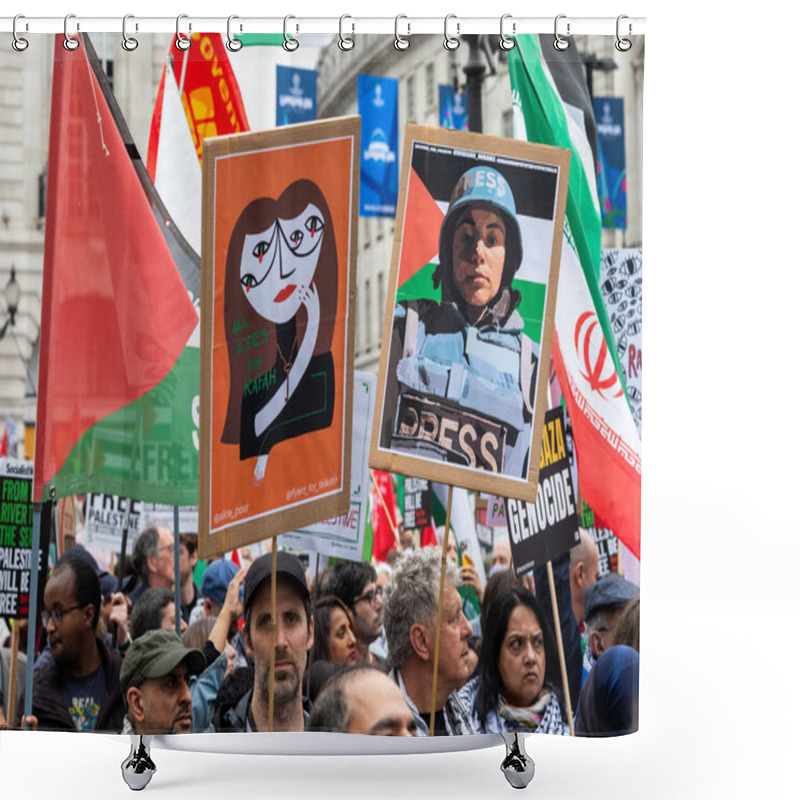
(281, 279)
(334, 639)
(517, 687)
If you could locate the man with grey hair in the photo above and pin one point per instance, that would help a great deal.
(409, 617)
(153, 561)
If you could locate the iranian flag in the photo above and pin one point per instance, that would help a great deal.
(115, 411)
(551, 106)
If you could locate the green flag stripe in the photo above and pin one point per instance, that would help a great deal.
(545, 122)
(145, 449)
(531, 307)
(268, 39)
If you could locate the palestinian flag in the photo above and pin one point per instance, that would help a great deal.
(117, 405)
(198, 97)
(551, 105)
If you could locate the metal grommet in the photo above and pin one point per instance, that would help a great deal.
(71, 42)
(234, 45)
(346, 42)
(401, 42)
(623, 45)
(451, 42)
(18, 42)
(560, 43)
(506, 42)
(290, 44)
(128, 42)
(52, 492)
(182, 42)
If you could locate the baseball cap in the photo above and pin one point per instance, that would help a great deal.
(155, 654)
(286, 565)
(216, 578)
(609, 592)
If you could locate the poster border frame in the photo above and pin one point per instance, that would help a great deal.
(272, 523)
(440, 472)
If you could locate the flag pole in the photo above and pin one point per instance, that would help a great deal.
(439, 609)
(32, 600)
(177, 556)
(12, 674)
(124, 548)
(559, 641)
(273, 626)
(389, 516)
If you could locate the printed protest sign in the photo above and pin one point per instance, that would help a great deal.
(16, 537)
(343, 536)
(461, 395)
(496, 512)
(541, 531)
(107, 516)
(417, 503)
(279, 257)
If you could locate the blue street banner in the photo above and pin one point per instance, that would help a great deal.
(377, 105)
(611, 177)
(296, 95)
(452, 109)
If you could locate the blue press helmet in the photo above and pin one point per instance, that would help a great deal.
(484, 187)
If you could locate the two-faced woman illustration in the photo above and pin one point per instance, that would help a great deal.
(281, 279)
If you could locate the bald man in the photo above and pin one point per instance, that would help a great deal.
(583, 572)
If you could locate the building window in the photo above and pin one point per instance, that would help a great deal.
(430, 86)
(508, 124)
(410, 99)
(367, 316)
(381, 300)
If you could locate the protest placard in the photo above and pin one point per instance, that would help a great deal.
(541, 531)
(16, 535)
(417, 503)
(461, 396)
(107, 516)
(279, 256)
(343, 536)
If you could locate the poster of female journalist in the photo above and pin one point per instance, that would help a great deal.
(277, 330)
(469, 313)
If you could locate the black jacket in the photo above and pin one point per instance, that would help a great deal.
(48, 706)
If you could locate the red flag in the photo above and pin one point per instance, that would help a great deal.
(383, 538)
(4, 442)
(209, 93)
(115, 312)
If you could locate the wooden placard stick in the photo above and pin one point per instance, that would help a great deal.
(176, 553)
(389, 516)
(439, 609)
(560, 643)
(273, 627)
(12, 673)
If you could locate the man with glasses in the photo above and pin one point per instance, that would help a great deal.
(354, 583)
(153, 561)
(79, 688)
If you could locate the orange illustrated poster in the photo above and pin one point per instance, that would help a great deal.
(279, 249)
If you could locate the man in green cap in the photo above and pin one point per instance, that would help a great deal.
(155, 683)
(155, 689)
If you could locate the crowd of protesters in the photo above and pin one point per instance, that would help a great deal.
(355, 647)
